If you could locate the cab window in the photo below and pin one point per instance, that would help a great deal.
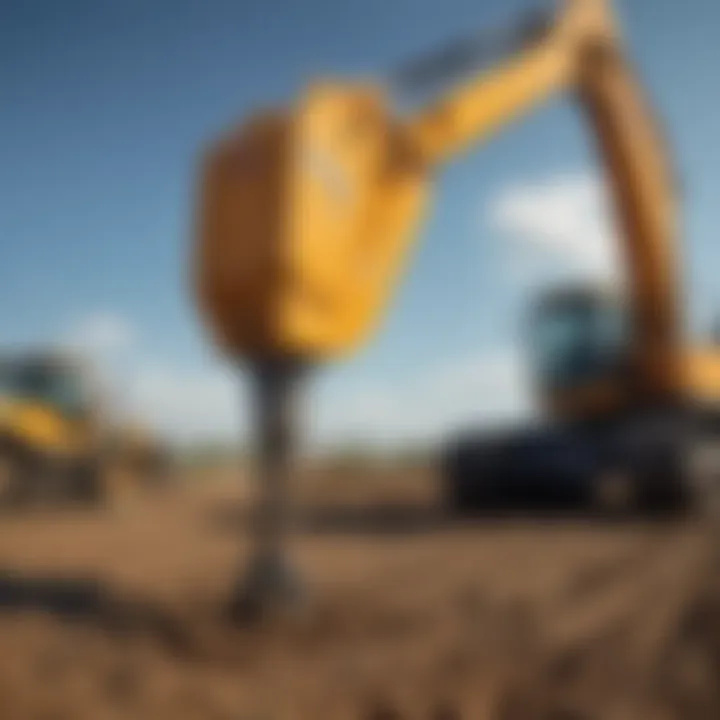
(578, 342)
(56, 386)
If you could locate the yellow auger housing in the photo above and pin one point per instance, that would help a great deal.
(305, 220)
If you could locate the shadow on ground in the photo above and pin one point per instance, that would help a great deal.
(395, 519)
(88, 600)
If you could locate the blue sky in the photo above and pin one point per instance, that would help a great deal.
(105, 104)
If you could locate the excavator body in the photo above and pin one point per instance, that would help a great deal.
(307, 216)
(603, 440)
(632, 411)
(56, 441)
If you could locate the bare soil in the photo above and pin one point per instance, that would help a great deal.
(121, 612)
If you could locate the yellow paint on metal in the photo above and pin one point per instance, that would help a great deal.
(305, 221)
(701, 373)
(41, 428)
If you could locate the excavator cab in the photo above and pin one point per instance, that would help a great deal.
(57, 441)
(48, 428)
(49, 381)
(580, 349)
(48, 400)
(602, 447)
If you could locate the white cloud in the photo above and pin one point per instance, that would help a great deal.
(100, 333)
(198, 404)
(561, 223)
(202, 405)
(484, 389)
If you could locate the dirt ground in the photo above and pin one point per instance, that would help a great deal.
(121, 613)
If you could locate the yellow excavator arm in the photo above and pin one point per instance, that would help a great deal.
(548, 65)
(308, 215)
(582, 53)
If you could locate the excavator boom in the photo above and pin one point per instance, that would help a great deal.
(308, 215)
(582, 53)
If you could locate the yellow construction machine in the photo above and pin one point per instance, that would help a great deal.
(308, 213)
(56, 441)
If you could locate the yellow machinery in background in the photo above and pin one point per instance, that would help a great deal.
(55, 442)
(308, 213)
